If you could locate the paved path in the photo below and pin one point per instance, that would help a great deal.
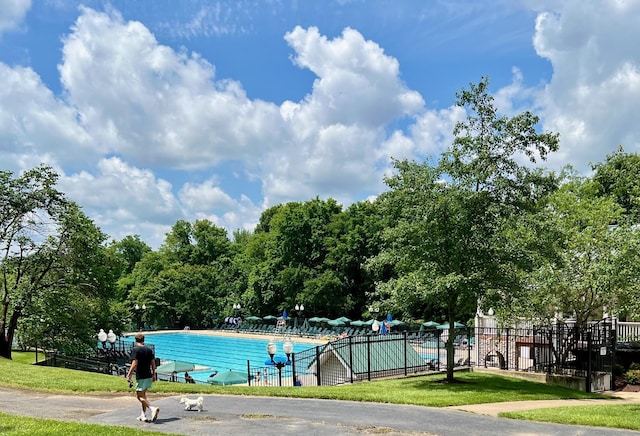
(271, 416)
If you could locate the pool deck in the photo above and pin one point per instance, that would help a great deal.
(237, 334)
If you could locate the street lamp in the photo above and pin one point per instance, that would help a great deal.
(373, 310)
(139, 314)
(104, 338)
(299, 308)
(287, 347)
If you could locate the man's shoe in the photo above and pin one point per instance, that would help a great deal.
(142, 418)
(154, 413)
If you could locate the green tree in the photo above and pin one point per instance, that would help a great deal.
(619, 177)
(56, 275)
(596, 269)
(450, 242)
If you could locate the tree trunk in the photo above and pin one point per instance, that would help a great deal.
(450, 351)
(6, 336)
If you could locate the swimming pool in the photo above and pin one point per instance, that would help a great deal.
(216, 352)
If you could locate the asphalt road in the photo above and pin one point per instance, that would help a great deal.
(271, 416)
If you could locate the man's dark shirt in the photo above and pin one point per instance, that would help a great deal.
(145, 356)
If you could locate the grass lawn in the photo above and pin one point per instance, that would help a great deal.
(616, 416)
(470, 388)
(12, 425)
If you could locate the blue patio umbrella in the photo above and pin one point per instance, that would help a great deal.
(389, 317)
(284, 314)
(383, 329)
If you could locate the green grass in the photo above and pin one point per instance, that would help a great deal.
(469, 388)
(616, 416)
(13, 425)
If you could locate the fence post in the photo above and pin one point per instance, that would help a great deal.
(351, 358)
(368, 358)
(469, 346)
(506, 366)
(318, 365)
(612, 345)
(293, 369)
(589, 358)
(405, 352)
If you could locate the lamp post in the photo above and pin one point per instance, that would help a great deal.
(236, 311)
(104, 338)
(373, 310)
(139, 314)
(299, 308)
(287, 347)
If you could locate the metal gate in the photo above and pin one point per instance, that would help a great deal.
(582, 351)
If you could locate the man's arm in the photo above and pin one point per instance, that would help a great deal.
(134, 363)
(153, 368)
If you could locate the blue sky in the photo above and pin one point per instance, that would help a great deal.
(159, 110)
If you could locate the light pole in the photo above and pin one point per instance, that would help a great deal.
(104, 338)
(236, 311)
(287, 347)
(299, 308)
(139, 314)
(373, 310)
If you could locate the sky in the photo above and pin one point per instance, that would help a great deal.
(154, 111)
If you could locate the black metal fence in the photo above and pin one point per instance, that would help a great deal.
(367, 357)
(560, 349)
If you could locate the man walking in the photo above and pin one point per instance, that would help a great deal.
(143, 362)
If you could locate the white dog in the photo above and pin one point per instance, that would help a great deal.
(189, 403)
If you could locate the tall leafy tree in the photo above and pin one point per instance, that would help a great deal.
(598, 252)
(451, 241)
(53, 267)
(619, 176)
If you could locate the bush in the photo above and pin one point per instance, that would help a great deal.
(633, 376)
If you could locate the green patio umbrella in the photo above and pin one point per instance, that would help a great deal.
(430, 324)
(319, 319)
(175, 366)
(456, 325)
(358, 323)
(369, 322)
(253, 318)
(396, 322)
(336, 322)
(269, 318)
(230, 377)
(344, 319)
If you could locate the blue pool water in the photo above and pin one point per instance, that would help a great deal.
(216, 352)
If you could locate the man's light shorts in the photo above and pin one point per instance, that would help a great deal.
(144, 384)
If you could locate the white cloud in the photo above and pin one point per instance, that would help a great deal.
(131, 109)
(12, 12)
(337, 130)
(154, 105)
(34, 123)
(593, 99)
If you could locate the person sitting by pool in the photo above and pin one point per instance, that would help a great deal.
(296, 381)
(188, 378)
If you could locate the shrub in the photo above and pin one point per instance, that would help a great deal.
(633, 377)
(634, 366)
